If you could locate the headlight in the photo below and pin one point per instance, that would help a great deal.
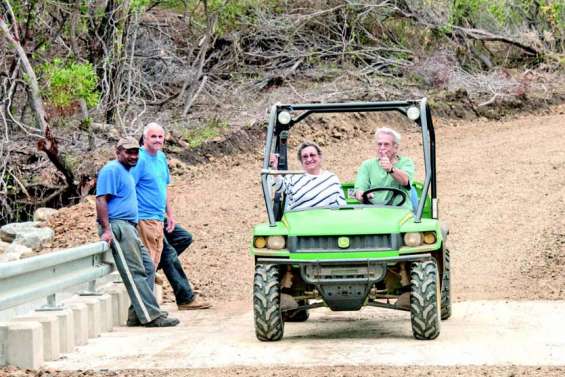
(413, 113)
(429, 238)
(276, 242)
(284, 117)
(413, 239)
(260, 242)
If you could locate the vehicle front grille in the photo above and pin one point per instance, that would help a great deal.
(330, 243)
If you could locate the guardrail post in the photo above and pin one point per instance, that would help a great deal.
(91, 290)
(51, 305)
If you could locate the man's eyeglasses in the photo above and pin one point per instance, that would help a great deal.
(311, 155)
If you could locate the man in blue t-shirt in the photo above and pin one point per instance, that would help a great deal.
(117, 216)
(151, 175)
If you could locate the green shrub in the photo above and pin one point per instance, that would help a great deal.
(66, 83)
(199, 135)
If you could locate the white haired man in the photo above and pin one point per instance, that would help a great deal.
(152, 177)
(388, 169)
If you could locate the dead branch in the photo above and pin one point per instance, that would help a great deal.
(36, 101)
(483, 35)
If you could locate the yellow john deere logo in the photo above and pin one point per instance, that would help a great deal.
(343, 242)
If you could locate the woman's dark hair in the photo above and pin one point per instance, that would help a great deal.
(307, 144)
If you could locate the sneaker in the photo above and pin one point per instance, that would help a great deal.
(197, 303)
(133, 322)
(288, 302)
(162, 322)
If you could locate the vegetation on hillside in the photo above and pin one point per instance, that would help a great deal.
(76, 74)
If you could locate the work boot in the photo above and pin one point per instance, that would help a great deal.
(288, 302)
(195, 304)
(162, 322)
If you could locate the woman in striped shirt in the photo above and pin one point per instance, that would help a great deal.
(315, 188)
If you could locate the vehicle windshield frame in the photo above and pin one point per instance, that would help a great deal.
(278, 134)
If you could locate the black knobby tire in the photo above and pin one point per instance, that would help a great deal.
(269, 325)
(424, 300)
(446, 287)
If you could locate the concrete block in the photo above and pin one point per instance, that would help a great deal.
(106, 322)
(120, 304)
(66, 330)
(25, 341)
(94, 306)
(3, 342)
(50, 329)
(80, 322)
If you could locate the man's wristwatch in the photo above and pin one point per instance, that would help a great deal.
(391, 170)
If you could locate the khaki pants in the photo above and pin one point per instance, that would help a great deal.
(151, 233)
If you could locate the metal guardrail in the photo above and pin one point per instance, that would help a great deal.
(42, 276)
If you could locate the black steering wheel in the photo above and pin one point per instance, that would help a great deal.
(395, 193)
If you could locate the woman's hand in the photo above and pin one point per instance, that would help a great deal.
(274, 160)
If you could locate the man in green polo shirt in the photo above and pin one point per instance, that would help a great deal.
(387, 170)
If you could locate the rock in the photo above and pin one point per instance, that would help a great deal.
(9, 232)
(4, 246)
(34, 238)
(42, 214)
(14, 252)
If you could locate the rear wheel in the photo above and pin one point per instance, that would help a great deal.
(446, 287)
(425, 300)
(269, 325)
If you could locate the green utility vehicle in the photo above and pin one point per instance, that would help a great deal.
(360, 254)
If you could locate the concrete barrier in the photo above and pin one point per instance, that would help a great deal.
(120, 304)
(50, 332)
(106, 321)
(80, 322)
(94, 315)
(3, 342)
(25, 345)
(66, 330)
(29, 340)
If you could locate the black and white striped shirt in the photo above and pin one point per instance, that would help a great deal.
(308, 191)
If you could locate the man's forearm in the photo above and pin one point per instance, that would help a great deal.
(400, 176)
(168, 207)
(102, 212)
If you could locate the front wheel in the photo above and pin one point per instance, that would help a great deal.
(425, 300)
(269, 325)
(446, 287)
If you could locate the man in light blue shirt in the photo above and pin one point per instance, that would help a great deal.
(151, 175)
(156, 217)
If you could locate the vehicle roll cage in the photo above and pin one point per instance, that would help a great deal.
(278, 133)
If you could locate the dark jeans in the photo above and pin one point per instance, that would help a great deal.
(174, 244)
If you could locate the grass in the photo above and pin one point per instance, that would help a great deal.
(197, 136)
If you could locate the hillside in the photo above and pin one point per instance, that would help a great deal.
(78, 76)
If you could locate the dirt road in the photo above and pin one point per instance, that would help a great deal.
(527, 333)
(501, 190)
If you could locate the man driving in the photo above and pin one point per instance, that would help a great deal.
(387, 170)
